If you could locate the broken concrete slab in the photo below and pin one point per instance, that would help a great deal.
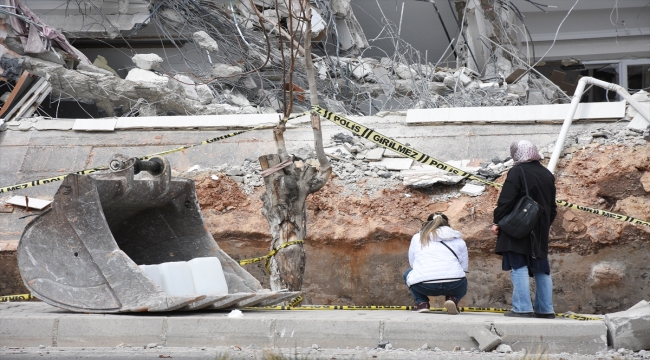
(472, 190)
(515, 114)
(375, 154)
(107, 124)
(629, 329)
(426, 178)
(53, 124)
(484, 337)
(147, 61)
(393, 154)
(395, 163)
(28, 202)
(138, 75)
(337, 150)
(638, 123)
(221, 122)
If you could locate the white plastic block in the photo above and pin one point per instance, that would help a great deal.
(153, 272)
(208, 276)
(177, 279)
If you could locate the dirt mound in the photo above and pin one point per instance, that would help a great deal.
(358, 234)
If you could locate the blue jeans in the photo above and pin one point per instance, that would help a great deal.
(420, 291)
(521, 302)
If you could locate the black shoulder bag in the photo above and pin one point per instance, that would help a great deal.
(522, 219)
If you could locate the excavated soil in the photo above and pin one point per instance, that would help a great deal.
(358, 235)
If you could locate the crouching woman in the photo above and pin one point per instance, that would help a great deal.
(438, 259)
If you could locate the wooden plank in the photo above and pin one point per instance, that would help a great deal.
(26, 99)
(39, 96)
(23, 84)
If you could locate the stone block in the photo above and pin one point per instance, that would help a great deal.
(629, 329)
(54, 124)
(485, 338)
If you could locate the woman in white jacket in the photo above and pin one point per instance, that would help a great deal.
(438, 259)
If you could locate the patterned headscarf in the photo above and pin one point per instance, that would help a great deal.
(524, 151)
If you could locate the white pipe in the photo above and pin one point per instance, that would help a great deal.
(559, 144)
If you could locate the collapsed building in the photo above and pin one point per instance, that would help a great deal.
(213, 58)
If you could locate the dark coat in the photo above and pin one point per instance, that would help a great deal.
(541, 187)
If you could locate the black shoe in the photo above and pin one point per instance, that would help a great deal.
(545, 316)
(517, 314)
(421, 307)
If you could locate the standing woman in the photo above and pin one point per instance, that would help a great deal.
(438, 259)
(527, 257)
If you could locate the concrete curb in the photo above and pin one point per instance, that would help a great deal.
(34, 324)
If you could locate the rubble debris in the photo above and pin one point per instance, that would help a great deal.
(630, 329)
(352, 163)
(28, 202)
(147, 61)
(347, 83)
(204, 41)
(485, 338)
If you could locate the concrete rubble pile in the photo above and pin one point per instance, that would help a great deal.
(355, 159)
(218, 84)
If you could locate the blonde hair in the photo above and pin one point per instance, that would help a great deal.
(428, 229)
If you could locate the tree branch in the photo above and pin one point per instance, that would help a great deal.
(325, 169)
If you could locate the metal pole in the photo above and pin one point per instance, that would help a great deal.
(559, 144)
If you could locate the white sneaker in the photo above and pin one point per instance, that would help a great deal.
(450, 305)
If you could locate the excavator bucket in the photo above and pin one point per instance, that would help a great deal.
(86, 253)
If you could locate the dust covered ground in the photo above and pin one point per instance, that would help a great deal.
(359, 233)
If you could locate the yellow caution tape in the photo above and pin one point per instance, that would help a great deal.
(269, 255)
(363, 131)
(391, 144)
(20, 297)
(397, 307)
(295, 302)
(47, 180)
(604, 213)
(146, 157)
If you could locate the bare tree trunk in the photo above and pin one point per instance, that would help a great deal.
(287, 188)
